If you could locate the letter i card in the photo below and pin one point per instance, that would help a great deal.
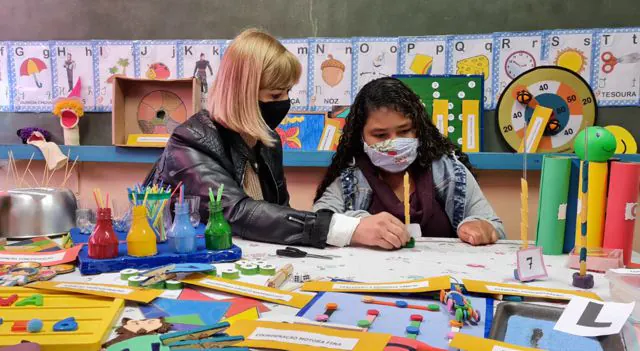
(111, 58)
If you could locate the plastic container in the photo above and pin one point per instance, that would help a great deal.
(141, 240)
(182, 235)
(625, 287)
(217, 234)
(103, 242)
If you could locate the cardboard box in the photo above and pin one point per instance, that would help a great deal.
(145, 111)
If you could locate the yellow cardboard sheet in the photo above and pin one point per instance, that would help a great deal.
(251, 314)
(474, 343)
(302, 337)
(409, 286)
(440, 116)
(259, 292)
(470, 126)
(479, 286)
(130, 293)
(535, 129)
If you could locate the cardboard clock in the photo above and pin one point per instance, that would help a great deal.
(69, 109)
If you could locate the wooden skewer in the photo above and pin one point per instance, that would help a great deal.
(26, 169)
(66, 164)
(34, 177)
(64, 182)
(15, 169)
(9, 168)
(50, 176)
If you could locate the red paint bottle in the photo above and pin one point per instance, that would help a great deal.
(103, 242)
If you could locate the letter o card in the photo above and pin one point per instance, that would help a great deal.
(530, 264)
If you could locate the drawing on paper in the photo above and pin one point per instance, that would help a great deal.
(475, 65)
(421, 64)
(69, 66)
(377, 67)
(158, 70)
(200, 72)
(572, 59)
(301, 131)
(332, 71)
(519, 62)
(31, 67)
(610, 61)
(122, 64)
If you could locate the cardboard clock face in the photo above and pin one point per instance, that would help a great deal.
(564, 91)
(519, 62)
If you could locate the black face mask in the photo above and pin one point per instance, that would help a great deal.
(273, 112)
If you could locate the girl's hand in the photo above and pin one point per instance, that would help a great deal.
(381, 230)
(478, 232)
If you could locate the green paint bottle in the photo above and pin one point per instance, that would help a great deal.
(217, 235)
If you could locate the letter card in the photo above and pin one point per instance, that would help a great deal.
(155, 59)
(5, 92)
(111, 58)
(373, 58)
(299, 94)
(73, 60)
(31, 76)
(617, 66)
(514, 54)
(200, 59)
(472, 54)
(423, 55)
(330, 73)
(571, 49)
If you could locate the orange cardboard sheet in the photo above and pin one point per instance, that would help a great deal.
(409, 286)
(116, 291)
(479, 286)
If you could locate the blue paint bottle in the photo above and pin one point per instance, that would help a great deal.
(182, 235)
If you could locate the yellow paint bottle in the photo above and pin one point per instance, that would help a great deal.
(141, 240)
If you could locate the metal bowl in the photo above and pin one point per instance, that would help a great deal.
(33, 212)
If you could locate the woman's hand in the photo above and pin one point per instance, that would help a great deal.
(478, 232)
(381, 230)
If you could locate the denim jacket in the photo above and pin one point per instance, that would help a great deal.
(456, 190)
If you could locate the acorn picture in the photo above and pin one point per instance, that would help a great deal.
(332, 71)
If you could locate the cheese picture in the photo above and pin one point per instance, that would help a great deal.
(474, 65)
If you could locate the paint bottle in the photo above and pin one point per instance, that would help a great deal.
(141, 240)
(182, 235)
(103, 242)
(217, 235)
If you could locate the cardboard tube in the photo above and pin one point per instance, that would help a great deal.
(552, 207)
(597, 202)
(622, 206)
(71, 136)
(572, 207)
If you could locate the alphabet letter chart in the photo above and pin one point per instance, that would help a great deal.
(514, 54)
(617, 72)
(299, 94)
(373, 58)
(570, 49)
(5, 96)
(73, 60)
(156, 59)
(200, 59)
(330, 77)
(31, 72)
(472, 54)
(423, 55)
(111, 58)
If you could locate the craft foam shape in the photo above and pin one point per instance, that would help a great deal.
(473, 343)
(186, 319)
(250, 314)
(535, 129)
(397, 343)
(408, 286)
(251, 290)
(194, 334)
(142, 343)
(214, 342)
(495, 288)
(8, 301)
(191, 268)
(256, 334)
(441, 116)
(33, 300)
(94, 316)
(470, 126)
(19, 326)
(35, 325)
(67, 324)
(210, 312)
(241, 304)
(130, 293)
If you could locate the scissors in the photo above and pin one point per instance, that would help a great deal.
(611, 61)
(297, 253)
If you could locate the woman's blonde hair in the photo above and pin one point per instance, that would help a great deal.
(254, 60)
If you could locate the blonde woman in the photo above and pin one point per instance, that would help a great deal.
(233, 143)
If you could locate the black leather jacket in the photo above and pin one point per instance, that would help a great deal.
(203, 154)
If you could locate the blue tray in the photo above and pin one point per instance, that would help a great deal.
(165, 256)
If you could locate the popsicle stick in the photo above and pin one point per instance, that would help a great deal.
(407, 217)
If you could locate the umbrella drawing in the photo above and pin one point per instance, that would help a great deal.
(31, 67)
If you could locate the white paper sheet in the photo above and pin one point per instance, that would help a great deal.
(4, 77)
(190, 52)
(423, 55)
(32, 76)
(155, 58)
(112, 58)
(73, 61)
(586, 317)
(514, 54)
(373, 58)
(331, 85)
(571, 49)
(473, 54)
(299, 94)
(617, 69)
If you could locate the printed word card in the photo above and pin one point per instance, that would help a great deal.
(299, 94)
(617, 68)
(5, 91)
(130, 293)
(570, 49)
(50, 258)
(300, 337)
(156, 59)
(514, 54)
(473, 55)
(330, 76)
(468, 342)
(113, 58)
(585, 317)
(484, 287)
(31, 73)
(373, 58)
(251, 290)
(531, 264)
(410, 286)
(72, 61)
(200, 59)
(423, 55)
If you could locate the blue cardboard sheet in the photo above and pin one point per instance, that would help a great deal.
(210, 312)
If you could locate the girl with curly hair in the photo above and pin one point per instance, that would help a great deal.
(388, 133)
